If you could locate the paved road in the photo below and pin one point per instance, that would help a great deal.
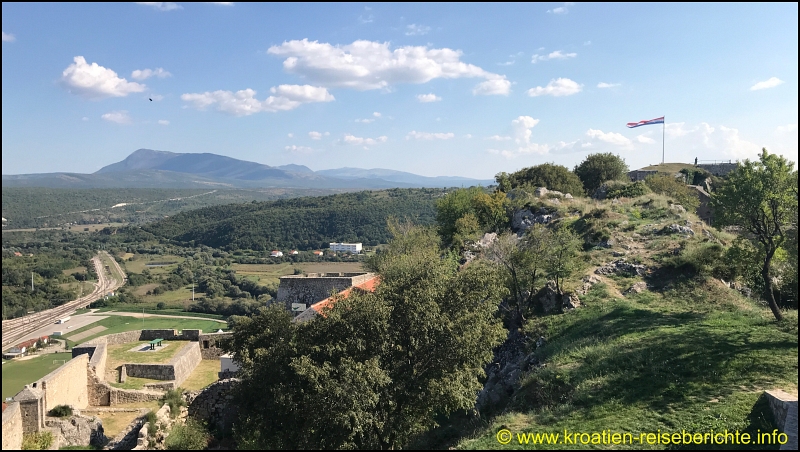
(75, 322)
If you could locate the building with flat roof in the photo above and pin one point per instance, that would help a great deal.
(354, 248)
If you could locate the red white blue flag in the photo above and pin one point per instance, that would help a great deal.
(660, 120)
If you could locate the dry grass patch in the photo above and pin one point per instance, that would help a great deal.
(203, 375)
(115, 422)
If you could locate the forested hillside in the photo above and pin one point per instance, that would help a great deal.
(300, 223)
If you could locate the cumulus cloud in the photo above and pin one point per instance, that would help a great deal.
(366, 120)
(417, 30)
(290, 135)
(498, 86)
(498, 138)
(163, 122)
(607, 85)
(557, 55)
(367, 65)
(144, 74)
(294, 149)
(376, 114)
(244, 103)
(424, 98)
(315, 135)
(787, 128)
(771, 83)
(521, 134)
(557, 87)
(354, 140)
(644, 139)
(610, 137)
(561, 9)
(96, 82)
(429, 136)
(161, 6)
(119, 117)
(8, 37)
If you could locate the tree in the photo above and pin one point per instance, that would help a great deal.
(675, 188)
(598, 168)
(562, 255)
(549, 175)
(760, 197)
(374, 368)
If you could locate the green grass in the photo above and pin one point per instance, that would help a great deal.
(139, 262)
(668, 167)
(166, 312)
(695, 358)
(203, 375)
(17, 373)
(119, 324)
(266, 274)
(133, 383)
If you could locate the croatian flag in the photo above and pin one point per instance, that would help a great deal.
(660, 120)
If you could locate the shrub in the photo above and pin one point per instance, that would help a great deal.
(37, 441)
(626, 190)
(190, 436)
(174, 398)
(599, 168)
(668, 185)
(60, 411)
(549, 175)
(161, 305)
(697, 259)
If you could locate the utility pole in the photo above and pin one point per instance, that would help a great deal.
(31, 281)
(192, 292)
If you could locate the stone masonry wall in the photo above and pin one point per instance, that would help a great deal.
(12, 427)
(315, 287)
(209, 344)
(67, 385)
(214, 404)
(178, 369)
(719, 169)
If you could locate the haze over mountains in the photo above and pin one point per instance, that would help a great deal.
(146, 168)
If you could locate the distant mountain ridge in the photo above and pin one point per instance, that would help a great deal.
(146, 168)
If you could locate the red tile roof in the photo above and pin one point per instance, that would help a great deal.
(367, 286)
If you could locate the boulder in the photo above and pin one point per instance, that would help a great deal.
(622, 267)
(638, 287)
(555, 193)
(568, 196)
(524, 219)
(76, 430)
(540, 192)
(677, 208)
(675, 228)
(588, 282)
(551, 301)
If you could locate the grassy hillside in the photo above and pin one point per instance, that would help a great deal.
(300, 223)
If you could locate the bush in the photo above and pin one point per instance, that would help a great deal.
(549, 175)
(60, 411)
(161, 305)
(698, 259)
(37, 441)
(629, 190)
(190, 436)
(668, 185)
(599, 168)
(174, 398)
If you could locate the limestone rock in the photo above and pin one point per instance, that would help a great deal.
(622, 267)
(638, 287)
(550, 301)
(77, 430)
(568, 196)
(540, 192)
(675, 228)
(588, 282)
(677, 208)
(555, 193)
(525, 218)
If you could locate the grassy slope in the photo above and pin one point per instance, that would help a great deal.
(18, 373)
(689, 353)
(119, 324)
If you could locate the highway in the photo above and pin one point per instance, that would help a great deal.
(16, 330)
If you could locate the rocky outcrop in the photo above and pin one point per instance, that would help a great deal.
(550, 301)
(214, 404)
(622, 267)
(503, 374)
(525, 218)
(76, 430)
(675, 228)
(638, 287)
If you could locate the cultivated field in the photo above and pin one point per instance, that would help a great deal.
(22, 371)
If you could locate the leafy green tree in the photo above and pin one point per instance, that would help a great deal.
(375, 368)
(562, 255)
(549, 175)
(491, 210)
(598, 168)
(453, 206)
(668, 185)
(760, 197)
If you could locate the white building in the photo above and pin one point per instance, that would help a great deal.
(276, 253)
(228, 364)
(354, 248)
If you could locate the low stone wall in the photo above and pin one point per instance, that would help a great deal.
(67, 385)
(178, 369)
(12, 427)
(214, 404)
(719, 169)
(315, 287)
(151, 371)
(784, 411)
(210, 344)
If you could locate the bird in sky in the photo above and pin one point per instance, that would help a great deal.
(150, 99)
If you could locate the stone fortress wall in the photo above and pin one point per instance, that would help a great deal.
(314, 287)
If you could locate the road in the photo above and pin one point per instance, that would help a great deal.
(17, 330)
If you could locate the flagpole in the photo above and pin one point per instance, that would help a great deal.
(663, 134)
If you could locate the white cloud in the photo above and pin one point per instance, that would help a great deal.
(507, 63)
(587, 43)
(417, 30)
(243, 102)
(376, 114)
(84, 118)
(498, 138)
(521, 128)
(424, 98)
(291, 135)
(607, 85)
(559, 10)
(157, 97)
(96, 82)
(610, 137)
(162, 6)
(163, 122)
(644, 139)
(366, 20)
(498, 86)
(8, 37)
(557, 87)
(557, 55)
(354, 140)
(315, 135)
(144, 74)
(429, 136)
(771, 83)
(787, 128)
(221, 3)
(468, 136)
(119, 117)
(366, 120)
(367, 65)
(294, 149)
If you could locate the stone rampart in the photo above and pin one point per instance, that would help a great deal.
(637, 175)
(12, 427)
(719, 169)
(315, 287)
(67, 385)
(214, 404)
(178, 369)
(210, 344)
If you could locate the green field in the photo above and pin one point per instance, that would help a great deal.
(139, 262)
(119, 324)
(19, 372)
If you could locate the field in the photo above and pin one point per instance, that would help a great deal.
(266, 274)
(139, 262)
(203, 375)
(19, 372)
(119, 324)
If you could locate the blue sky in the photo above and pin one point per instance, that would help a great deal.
(434, 89)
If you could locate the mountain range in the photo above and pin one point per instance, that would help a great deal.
(146, 168)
